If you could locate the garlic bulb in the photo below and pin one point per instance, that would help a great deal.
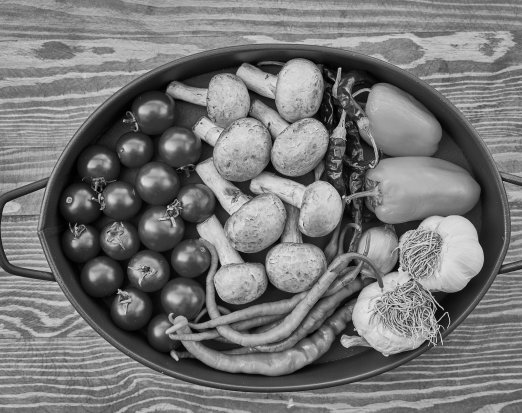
(443, 253)
(382, 248)
(399, 317)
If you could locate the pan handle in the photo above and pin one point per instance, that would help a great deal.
(4, 262)
(517, 265)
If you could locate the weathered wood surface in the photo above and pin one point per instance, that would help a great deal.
(61, 59)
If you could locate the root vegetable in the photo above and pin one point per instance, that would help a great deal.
(298, 147)
(241, 150)
(320, 204)
(297, 88)
(292, 266)
(226, 98)
(273, 364)
(254, 223)
(397, 317)
(443, 253)
(236, 282)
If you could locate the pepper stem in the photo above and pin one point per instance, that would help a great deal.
(371, 192)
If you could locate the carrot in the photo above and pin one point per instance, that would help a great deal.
(293, 319)
(273, 364)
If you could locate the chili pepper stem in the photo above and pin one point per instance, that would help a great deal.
(353, 341)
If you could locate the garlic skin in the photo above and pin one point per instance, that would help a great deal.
(371, 328)
(461, 256)
(382, 249)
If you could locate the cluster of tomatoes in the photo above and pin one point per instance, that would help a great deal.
(127, 213)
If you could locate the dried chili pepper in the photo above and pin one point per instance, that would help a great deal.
(334, 156)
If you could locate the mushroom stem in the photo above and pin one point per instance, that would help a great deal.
(291, 231)
(287, 190)
(268, 116)
(257, 80)
(229, 196)
(212, 230)
(191, 94)
(207, 131)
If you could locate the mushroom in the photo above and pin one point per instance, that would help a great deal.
(226, 98)
(236, 282)
(241, 150)
(320, 203)
(298, 147)
(292, 266)
(297, 89)
(254, 223)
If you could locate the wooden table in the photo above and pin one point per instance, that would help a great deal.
(61, 59)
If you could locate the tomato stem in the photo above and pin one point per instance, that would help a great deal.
(130, 118)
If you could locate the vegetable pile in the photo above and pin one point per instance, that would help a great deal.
(323, 188)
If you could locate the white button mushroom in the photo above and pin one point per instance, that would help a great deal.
(297, 89)
(241, 150)
(236, 282)
(254, 223)
(226, 98)
(320, 203)
(298, 147)
(291, 265)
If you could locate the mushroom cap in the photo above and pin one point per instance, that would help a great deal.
(240, 283)
(293, 267)
(227, 99)
(257, 224)
(243, 150)
(299, 90)
(300, 147)
(321, 209)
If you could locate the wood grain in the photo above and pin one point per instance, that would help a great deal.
(61, 59)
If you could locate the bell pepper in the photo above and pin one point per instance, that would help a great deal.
(410, 188)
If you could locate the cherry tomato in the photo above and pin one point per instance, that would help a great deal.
(97, 161)
(157, 183)
(156, 334)
(183, 296)
(148, 271)
(178, 147)
(131, 309)
(119, 240)
(120, 201)
(101, 276)
(190, 258)
(78, 204)
(134, 149)
(153, 112)
(197, 202)
(81, 242)
(158, 231)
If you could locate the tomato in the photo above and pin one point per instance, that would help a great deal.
(183, 296)
(158, 231)
(101, 276)
(190, 258)
(178, 147)
(156, 334)
(97, 161)
(134, 149)
(153, 112)
(148, 271)
(81, 242)
(197, 202)
(120, 201)
(78, 204)
(131, 309)
(119, 240)
(157, 183)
